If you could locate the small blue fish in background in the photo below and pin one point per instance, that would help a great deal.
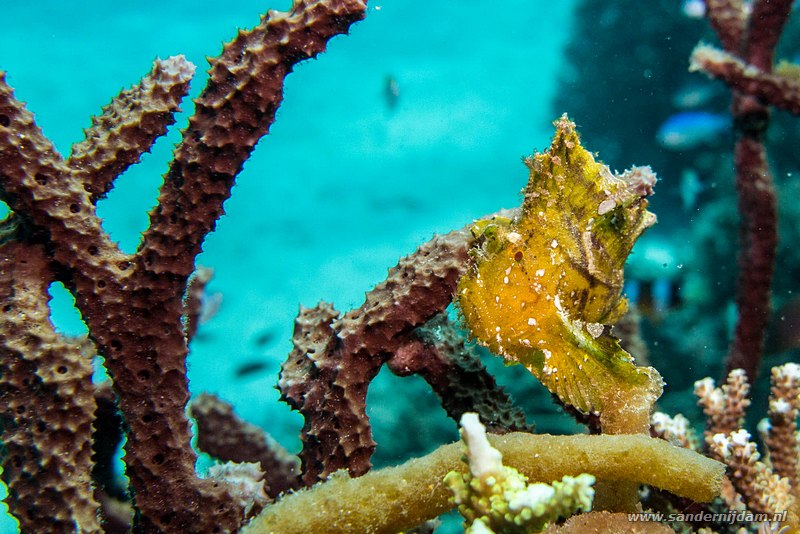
(695, 95)
(690, 188)
(694, 9)
(690, 129)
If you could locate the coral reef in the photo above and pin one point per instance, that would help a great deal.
(47, 408)
(541, 286)
(396, 498)
(762, 488)
(226, 437)
(753, 485)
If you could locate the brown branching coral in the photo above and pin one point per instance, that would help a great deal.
(224, 436)
(439, 354)
(335, 357)
(132, 303)
(47, 403)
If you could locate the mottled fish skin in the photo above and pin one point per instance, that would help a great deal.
(544, 288)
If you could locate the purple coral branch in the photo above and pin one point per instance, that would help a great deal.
(759, 236)
(776, 90)
(440, 355)
(764, 28)
(224, 436)
(335, 357)
(752, 40)
(728, 18)
(401, 323)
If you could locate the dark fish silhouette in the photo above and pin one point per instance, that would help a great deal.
(391, 92)
(264, 338)
(250, 368)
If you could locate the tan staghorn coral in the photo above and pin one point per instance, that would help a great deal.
(781, 433)
(755, 485)
(724, 406)
(677, 430)
(763, 491)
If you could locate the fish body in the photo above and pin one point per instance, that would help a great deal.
(694, 9)
(391, 92)
(690, 188)
(691, 129)
(695, 95)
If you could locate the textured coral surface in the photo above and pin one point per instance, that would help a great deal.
(133, 303)
(47, 403)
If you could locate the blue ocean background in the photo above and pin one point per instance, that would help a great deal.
(342, 187)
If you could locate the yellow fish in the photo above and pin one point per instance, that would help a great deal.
(544, 288)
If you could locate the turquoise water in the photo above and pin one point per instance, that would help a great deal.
(344, 185)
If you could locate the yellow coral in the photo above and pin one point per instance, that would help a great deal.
(494, 498)
(398, 498)
(544, 288)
